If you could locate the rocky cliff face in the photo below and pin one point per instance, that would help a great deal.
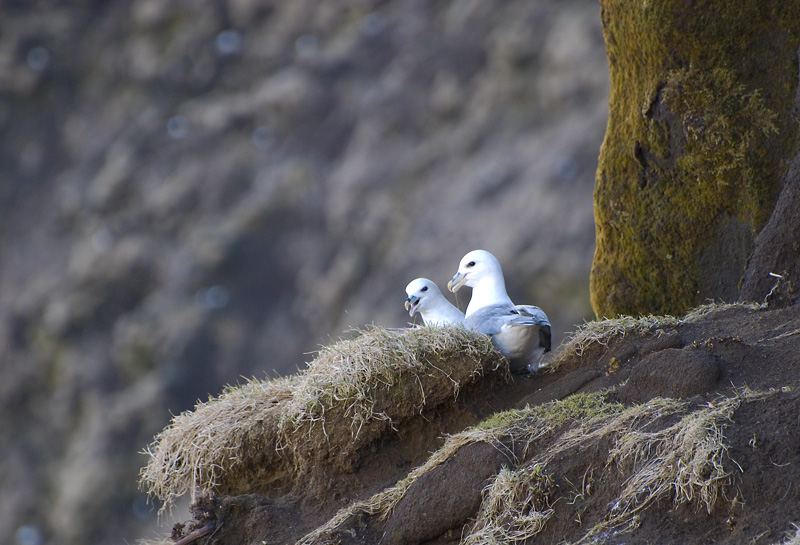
(192, 192)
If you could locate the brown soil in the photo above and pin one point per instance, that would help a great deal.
(723, 353)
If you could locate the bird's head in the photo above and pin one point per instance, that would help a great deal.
(475, 266)
(418, 291)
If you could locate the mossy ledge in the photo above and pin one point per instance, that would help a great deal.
(702, 127)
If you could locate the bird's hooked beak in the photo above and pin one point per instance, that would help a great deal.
(411, 304)
(457, 281)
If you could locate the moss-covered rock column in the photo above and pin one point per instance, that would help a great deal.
(702, 127)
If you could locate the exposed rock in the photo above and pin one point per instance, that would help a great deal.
(446, 497)
(773, 273)
(679, 373)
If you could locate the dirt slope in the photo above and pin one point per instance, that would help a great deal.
(682, 431)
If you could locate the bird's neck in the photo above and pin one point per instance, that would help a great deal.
(490, 291)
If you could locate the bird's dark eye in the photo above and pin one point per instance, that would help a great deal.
(471, 264)
(424, 288)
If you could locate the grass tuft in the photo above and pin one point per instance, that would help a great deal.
(199, 447)
(704, 311)
(664, 448)
(792, 538)
(266, 432)
(515, 508)
(683, 460)
(602, 332)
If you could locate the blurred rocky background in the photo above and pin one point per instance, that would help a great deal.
(194, 192)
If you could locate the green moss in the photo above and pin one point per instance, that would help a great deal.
(501, 420)
(555, 413)
(578, 406)
(700, 132)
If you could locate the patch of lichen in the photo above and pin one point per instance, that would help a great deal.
(701, 128)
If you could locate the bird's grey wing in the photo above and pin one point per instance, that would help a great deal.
(492, 319)
(534, 312)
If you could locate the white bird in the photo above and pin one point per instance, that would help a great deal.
(520, 332)
(425, 298)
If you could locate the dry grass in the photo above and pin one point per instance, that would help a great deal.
(264, 432)
(502, 521)
(200, 447)
(704, 311)
(602, 332)
(349, 373)
(663, 449)
(516, 507)
(683, 460)
(792, 539)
